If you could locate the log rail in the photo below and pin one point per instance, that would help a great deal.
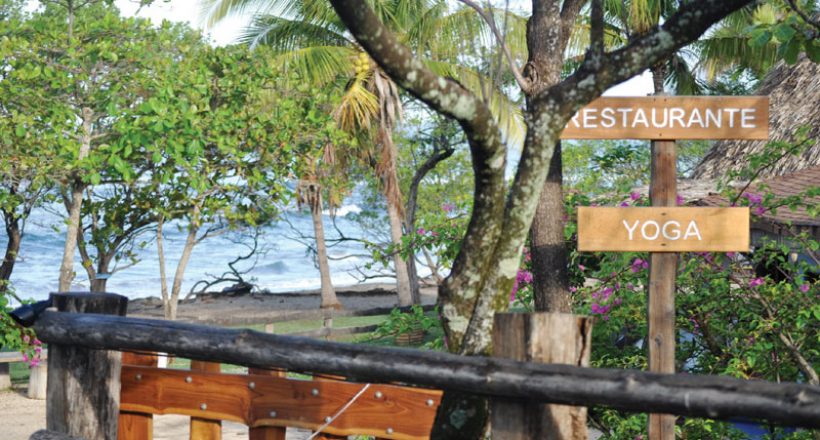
(692, 395)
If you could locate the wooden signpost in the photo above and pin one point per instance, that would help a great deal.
(665, 229)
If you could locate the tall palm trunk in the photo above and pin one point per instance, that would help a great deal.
(402, 276)
(329, 299)
(74, 208)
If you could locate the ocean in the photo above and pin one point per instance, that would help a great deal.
(284, 265)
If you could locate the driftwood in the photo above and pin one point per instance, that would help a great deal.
(693, 395)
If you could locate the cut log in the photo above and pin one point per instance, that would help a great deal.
(5, 376)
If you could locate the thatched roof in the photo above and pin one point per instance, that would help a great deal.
(794, 93)
(782, 188)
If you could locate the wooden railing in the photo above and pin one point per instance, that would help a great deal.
(77, 340)
(267, 402)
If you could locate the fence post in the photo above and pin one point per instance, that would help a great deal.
(204, 429)
(84, 384)
(556, 338)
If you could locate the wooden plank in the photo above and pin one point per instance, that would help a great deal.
(555, 338)
(383, 410)
(266, 432)
(134, 425)
(663, 229)
(662, 274)
(204, 428)
(672, 117)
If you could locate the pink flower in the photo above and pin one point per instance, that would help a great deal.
(760, 210)
(624, 204)
(38, 350)
(754, 199)
(420, 231)
(756, 282)
(25, 357)
(638, 265)
(34, 362)
(26, 338)
(635, 196)
(448, 207)
(523, 276)
(37, 342)
(573, 289)
(434, 233)
(679, 200)
(617, 301)
(730, 255)
(581, 267)
(804, 288)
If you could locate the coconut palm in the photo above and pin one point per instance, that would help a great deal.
(315, 44)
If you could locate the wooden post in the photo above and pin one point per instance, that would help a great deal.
(84, 384)
(556, 338)
(5, 376)
(662, 272)
(133, 425)
(267, 432)
(204, 429)
(38, 381)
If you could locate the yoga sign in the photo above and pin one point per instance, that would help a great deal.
(662, 229)
(672, 117)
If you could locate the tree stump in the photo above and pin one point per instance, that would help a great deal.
(84, 384)
(5, 376)
(555, 338)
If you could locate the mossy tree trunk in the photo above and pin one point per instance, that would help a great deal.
(485, 268)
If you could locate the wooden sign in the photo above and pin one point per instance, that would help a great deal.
(662, 229)
(672, 117)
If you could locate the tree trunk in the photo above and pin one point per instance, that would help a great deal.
(549, 251)
(98, 284)
(190, 242)
(329, 300)
(163, 281)
(402, 277)
(15, 237)
(74, 208)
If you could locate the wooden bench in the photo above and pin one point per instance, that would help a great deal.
(36, 380)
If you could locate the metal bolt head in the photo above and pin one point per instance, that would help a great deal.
(314, 392)
(430, 402)
(189, 379)
(389, 430)
(252, 385)
(272, 413)
(328, 419)
(139, 377)
(203, 407)
(379, 394)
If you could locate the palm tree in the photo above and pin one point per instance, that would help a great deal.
(313, 42)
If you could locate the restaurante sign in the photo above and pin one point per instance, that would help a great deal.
(669, 117)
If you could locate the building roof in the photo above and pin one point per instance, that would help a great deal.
(781, 187)
(794, 93)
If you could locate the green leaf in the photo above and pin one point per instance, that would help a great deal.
(784, 32)
(789, 51)
(760, 38)
(813, 50)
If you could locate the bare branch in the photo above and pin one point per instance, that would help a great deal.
(490, 20)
